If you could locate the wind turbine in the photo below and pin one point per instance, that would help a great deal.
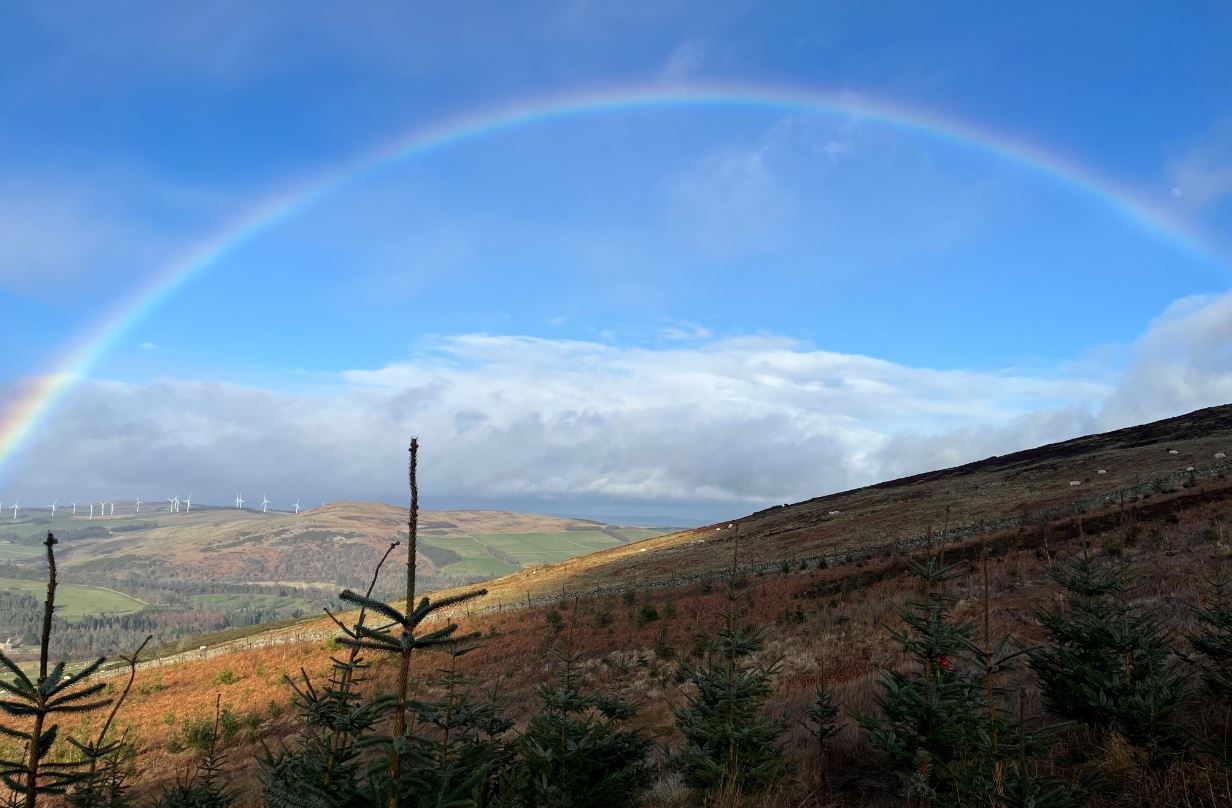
(175, 504)
(297, 506)
(102, 509)
(138, 504)
(74, 509)
(239, 502)
(188, 504)
(53, 508)
(91, 509)
(264, 503)
(112, 508)
(14, 510)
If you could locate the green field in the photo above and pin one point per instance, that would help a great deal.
(486, 566)
(546, 548)
(18, 552)
(233, 602)
(74, 600)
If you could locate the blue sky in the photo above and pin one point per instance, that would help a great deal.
(562, 304)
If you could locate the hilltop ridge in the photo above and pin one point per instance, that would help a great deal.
(984, 491)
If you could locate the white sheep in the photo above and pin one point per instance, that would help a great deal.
(1173, 452)
(1189, 468)
(1075, 483)
(1102, 471)
(835, 513)
(1220, 455)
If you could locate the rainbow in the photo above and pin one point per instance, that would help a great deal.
(37, 400)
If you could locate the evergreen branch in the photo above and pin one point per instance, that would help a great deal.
(373, 604)
(454, 600)
(22, 681)
(77, 695)
(81, 675)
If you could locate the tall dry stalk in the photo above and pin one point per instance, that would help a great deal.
(404, 669)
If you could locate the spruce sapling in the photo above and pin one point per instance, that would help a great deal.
(54, 693)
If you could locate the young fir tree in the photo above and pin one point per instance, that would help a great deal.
(404, 769)
(1108, 665)
(107, 759)
(324, 769)
(1213, 642)
(574, 753)
(933, 720)
(821, 718)
(821, 721)
(458, 740)
(205, 786)
(1213, 639)
(729, 745)
(345, 755)
(1004, 773)
(37, 703)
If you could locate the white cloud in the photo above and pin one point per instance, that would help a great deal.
(1183, 361)
(736, 421)
(720, 426)
(685, 331)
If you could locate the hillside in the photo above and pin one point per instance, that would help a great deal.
(633, 612)
(998, 491)
(221, 544)
(217, 568)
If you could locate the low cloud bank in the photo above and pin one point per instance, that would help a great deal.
(710, 429)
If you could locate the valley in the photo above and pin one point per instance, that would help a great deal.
(177, 574)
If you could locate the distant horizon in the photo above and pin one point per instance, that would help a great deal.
(628, 520)
(649, 514)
